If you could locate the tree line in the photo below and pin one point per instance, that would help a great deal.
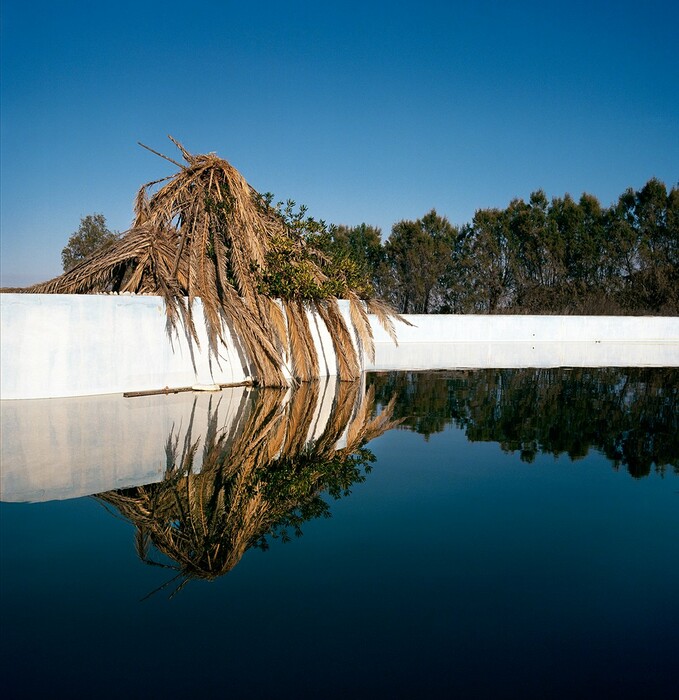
(540, 256)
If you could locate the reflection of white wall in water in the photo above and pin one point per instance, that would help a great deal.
(64, 448)
(77, 345)
(54, 449)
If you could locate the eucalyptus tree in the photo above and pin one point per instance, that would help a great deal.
(485, 257)
(538, 252)
(362, 244)
(645, 224)
(416, 257)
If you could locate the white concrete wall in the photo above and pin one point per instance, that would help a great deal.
(77, 345)
(80, 345)
(478, 341)
(54, 345)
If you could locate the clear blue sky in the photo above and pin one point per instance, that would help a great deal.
(364, 111)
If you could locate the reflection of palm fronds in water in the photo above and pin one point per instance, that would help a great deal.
(205, 233)
(259, 483)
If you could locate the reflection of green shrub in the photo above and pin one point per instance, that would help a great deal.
(298, 480)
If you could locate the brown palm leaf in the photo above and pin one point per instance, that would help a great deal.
(361, 324)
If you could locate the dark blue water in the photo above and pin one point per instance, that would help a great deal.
(456, 568)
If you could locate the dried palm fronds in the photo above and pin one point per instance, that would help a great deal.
(361, 324)
(205, 233)
(386, 316)
(254, 483)
(302, 349)
(348, 365)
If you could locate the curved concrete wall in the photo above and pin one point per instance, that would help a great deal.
(79, 345)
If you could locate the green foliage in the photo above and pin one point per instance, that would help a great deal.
(362, 244)
(92, 235)
(483, 254)
(292, 265)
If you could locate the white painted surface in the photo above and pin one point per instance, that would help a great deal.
(79, 345)
(57, 345)
(478, 341)
(505, 328)
(75, 345)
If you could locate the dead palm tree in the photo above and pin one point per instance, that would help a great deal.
(205, 233)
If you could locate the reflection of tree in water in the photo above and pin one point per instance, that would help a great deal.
(631, 415)
(262, 482)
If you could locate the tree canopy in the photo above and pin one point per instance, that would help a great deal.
(91, 236)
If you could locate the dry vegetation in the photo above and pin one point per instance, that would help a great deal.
(205, 233)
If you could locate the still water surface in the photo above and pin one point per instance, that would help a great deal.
(517, 535)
